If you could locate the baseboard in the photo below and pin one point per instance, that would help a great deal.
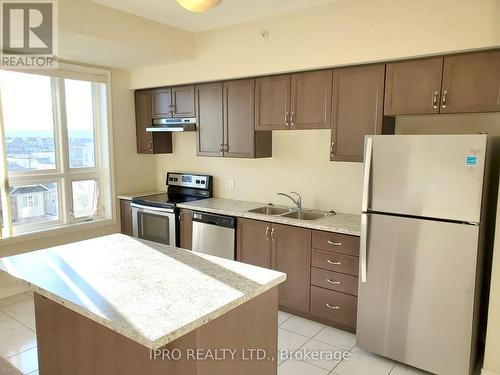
(486, 372)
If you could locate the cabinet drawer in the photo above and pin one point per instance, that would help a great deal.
(334, 281)
(340, 243)
(335, 262)
(337, 307)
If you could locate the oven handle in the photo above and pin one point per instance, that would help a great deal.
(156, 210)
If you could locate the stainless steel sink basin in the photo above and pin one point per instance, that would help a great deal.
(270, 210)
(305, 215)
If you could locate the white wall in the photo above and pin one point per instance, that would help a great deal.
(339, 33)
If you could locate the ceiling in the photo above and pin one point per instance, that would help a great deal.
(228, 12)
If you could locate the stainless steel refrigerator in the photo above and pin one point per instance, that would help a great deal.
(421, 249)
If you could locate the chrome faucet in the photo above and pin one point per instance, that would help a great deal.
(298, 201)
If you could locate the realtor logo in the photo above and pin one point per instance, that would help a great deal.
(29, 34)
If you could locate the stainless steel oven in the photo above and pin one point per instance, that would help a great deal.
(154, 224)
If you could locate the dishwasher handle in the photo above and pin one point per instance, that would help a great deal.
(219, 220)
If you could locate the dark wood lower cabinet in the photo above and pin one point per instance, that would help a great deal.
(292, 255)
(186, 229)
(253, 242)
(126, 217)
(319, 271)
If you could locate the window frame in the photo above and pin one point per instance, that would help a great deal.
(63, 175)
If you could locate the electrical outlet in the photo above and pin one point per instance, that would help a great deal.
(231, 184)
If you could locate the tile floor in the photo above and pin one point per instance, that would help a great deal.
(313, 348)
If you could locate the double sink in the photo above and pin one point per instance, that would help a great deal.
(290, 213)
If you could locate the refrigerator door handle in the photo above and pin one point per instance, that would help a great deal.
(363, 248)
(366, 174)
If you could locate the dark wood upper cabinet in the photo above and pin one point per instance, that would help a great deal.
(358, 100)
(185, 229)
(413, 87)
(240, 138)
(291, 254)
(126, 217)
(254, 242)
(272, 97)
(161, 102)
(471, 83)
(148, 143)
(226, 121)
(183, 101)
(210, 119)
(311, 94)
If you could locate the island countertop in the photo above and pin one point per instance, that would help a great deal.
(148, 292)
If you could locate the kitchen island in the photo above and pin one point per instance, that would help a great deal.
(118, 305)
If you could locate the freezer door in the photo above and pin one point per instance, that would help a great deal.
(438, 176)
(416, 305)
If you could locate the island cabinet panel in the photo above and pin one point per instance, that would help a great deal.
(291, 254)
(70, 343)
(311, 94)
(126, 217)
(272, 107)
(186, 229)
(471, 83)
(149, 143)
(254, 242)
(413, 87)
(183, 101)
(358, 101)
(161, 102)
(210, 119)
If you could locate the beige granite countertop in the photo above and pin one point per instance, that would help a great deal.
(339, 223)
(130, 196)
(148, 292)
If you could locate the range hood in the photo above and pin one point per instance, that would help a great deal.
(173, 125)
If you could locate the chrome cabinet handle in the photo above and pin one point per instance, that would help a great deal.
(286, 119)
(332, 147)
(334, 263)
(335, 243)
(333, 282)
(180, 217)
(150, 145)
(267, 233)
(332, 307)
(221, 147)
(291, 118)
(273, 234)
(443, 102)
(226, 148)
(435, 99)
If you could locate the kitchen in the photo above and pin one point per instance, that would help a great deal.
(291, 160)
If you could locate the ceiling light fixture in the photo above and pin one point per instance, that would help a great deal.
(198, 6)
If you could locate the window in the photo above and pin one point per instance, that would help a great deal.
(55, 149)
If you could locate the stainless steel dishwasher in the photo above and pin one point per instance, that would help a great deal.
(214, 235)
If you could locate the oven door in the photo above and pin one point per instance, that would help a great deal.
(153, 224)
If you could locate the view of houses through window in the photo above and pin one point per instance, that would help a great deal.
(50, 143)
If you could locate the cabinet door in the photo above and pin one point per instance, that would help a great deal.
(292, 254)
(358, 98)
(471, 83)
(311, 100)
(210, 123)
(413, 87)
(183, 101)
(162, 103)
(239, 106)
(254, 242)
(185, 229)
(272, 102)
(148, 143)
(126, 217)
